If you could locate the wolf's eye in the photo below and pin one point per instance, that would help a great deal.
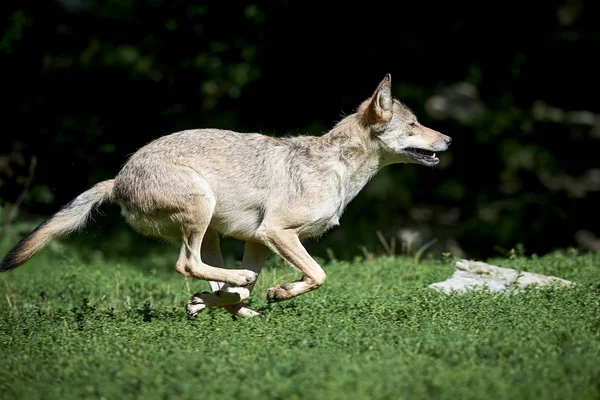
(413, 124)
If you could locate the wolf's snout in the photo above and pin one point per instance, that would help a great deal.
(448, 140)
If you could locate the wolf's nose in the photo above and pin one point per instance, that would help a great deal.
(448, 140)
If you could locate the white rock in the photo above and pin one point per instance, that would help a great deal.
(477, 274)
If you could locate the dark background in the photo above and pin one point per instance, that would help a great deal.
(515, 84)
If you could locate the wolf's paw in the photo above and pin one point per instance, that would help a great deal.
(279, 293)
(242, 310)
(195, 305)
(244, 277)
(246, 312)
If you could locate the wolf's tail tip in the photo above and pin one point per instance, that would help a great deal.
(8, 263)
(14, 258)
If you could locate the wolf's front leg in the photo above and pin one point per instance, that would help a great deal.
(287, 244)
(255, 255)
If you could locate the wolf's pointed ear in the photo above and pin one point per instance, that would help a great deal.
(382, 105)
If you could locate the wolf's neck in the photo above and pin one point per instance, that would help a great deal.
(352, 155)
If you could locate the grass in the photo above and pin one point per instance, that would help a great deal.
(84, 326)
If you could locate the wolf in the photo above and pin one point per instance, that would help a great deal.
(195, 186)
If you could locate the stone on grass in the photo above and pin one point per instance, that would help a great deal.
(477, 275)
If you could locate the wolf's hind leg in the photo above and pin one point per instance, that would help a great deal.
(194, 220)
(211, 253)
(223, 295)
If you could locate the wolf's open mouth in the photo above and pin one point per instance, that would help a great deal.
(422, 155)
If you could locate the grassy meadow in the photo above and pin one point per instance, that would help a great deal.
(76, 324)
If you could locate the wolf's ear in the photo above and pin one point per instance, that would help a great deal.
(381, 105)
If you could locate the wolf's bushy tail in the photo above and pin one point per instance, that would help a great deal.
(71, 217)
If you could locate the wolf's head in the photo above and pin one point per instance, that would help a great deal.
(396, 131)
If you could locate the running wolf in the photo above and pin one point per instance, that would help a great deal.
(192, 187)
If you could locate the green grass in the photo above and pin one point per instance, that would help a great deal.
(83, 326)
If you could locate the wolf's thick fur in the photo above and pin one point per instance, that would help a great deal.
(191, 186)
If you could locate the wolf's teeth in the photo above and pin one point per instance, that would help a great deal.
(433, 156)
